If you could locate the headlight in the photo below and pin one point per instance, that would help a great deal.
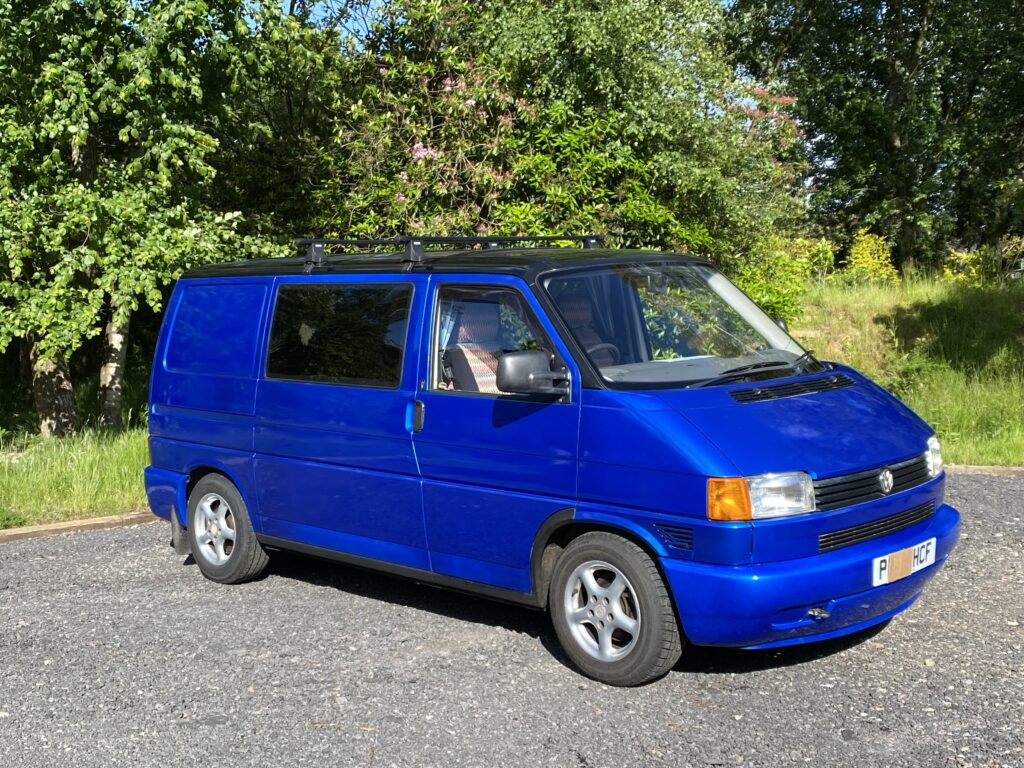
(779, 494)
(934, 457)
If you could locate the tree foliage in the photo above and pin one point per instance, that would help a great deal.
(102, 162)
(912, 110)
(138, 137)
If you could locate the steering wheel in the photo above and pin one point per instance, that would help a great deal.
(605, 347)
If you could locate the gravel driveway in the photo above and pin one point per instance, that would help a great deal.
(114, 652)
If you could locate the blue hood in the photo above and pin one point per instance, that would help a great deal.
(823, 433)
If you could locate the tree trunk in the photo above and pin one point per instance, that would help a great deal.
(54, 397)
(115, 349)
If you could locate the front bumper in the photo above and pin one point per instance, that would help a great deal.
(766, 605)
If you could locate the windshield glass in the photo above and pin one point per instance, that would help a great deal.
(669, 324)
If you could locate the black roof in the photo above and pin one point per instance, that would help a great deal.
(524, 262)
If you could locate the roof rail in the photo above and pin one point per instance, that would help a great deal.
(316, 248)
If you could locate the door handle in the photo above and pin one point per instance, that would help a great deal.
(418, 409)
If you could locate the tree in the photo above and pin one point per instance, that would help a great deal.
(103, 161)
(719, 153)
(531, 118)
(912, 111)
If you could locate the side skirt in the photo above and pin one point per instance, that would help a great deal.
(527, 599)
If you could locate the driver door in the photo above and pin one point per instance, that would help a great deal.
(494, 466)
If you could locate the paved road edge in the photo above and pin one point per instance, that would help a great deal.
(74, 526)
(970, 469)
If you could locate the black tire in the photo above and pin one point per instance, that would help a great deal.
(244, 559)
(653, 647)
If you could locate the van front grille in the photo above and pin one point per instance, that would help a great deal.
(791, 388)
(859, 487)
(677, 536)
(875, 529)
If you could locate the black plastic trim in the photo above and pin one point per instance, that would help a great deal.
(859, 487)
(528, 599)
(791, 388)
(558, 520)
(846, 537)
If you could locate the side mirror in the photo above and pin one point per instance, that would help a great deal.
(782, 324)
(529, 373)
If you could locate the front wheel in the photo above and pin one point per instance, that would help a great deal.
(612, 612)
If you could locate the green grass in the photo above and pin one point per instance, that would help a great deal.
(955, 354)
(89, 475)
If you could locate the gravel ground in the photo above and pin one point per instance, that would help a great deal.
(114, 652)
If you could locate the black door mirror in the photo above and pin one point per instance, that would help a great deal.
(529, 373)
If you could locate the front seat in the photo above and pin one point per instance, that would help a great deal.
(474, 359)
(579, 314)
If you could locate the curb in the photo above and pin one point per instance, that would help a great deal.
(74, 526)
(971, 469)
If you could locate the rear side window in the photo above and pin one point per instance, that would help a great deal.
(340, 334)
(215, 329)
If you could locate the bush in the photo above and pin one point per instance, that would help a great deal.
(870, 260)
(778, 270)
(985, 265)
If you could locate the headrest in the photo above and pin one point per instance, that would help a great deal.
(577, 310)
(479, 321)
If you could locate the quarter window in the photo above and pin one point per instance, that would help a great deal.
(339, 334)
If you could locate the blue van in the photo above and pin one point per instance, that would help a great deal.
(621, 437)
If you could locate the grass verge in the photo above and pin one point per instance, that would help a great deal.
(955, 354)
(89, 475)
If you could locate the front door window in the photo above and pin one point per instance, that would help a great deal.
(476, 326)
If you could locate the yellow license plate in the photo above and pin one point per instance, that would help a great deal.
(899, 565)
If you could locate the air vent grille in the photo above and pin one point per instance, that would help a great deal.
(791, 388)
(678, 536)
(875, 529)
(859, 487)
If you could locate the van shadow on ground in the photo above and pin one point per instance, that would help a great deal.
(536, 624)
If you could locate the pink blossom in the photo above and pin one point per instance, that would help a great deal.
(448, 83)
(403, 176)
(383, 70)
(470, 102)
(481, 114)
(420, 152)
(785, 101)
(399, 197)
(505, 120)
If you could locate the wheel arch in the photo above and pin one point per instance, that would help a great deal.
(197, 473)
(565, 525)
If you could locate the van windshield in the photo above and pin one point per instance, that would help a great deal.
(672, 325)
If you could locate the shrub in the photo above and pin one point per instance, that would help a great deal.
(777, 272)
(968, 267)
(870, 260)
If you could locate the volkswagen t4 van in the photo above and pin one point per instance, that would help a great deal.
(620, 437)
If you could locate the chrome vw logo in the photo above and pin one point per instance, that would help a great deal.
(885, 480)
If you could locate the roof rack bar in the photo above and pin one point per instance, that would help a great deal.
(316, 248)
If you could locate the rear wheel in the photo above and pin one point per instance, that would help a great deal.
(220, 532)
(612, 612)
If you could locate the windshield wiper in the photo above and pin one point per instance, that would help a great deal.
(740, 371)
(798, 364)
